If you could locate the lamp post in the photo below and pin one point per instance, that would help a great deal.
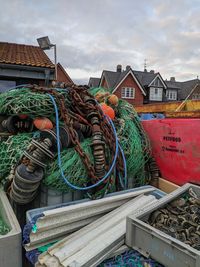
(45, 44)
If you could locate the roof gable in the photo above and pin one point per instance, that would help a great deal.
(160, 78)
(94, 82)
(124, 76)
(111, 77)
(26, 55)
(64, 72)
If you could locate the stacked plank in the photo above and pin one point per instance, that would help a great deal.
(93, 243)
(58, 223)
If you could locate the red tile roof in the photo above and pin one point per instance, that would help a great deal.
(27, 55)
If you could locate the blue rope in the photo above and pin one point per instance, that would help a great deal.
(65, 179)
(18, 86)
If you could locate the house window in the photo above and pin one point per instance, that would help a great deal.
(6, 85)
(196, 96)
(128, 92)
(155, 94)
(171, 95)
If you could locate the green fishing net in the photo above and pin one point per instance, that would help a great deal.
(11, 151)
(133, 141)
(130, 134)
(4, 229)
(24, 101)
(72, 166)
(130, 258)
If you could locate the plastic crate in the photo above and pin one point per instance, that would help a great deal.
(158, 245)
(49, 196)
(37, 212)
(10, 244)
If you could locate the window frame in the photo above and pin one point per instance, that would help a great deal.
(171, 95)
(128, 92)
(156, 94)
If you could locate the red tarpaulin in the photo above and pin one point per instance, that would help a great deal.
(176, 148)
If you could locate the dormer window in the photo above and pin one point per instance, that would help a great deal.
(128, 92)
(156, 94)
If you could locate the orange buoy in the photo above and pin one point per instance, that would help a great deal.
(100, 97)
(108, 111)
(42, 123)
(113, 100)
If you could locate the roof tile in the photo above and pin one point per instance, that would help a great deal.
(28, 55)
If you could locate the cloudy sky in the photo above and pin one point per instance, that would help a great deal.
(92, 35)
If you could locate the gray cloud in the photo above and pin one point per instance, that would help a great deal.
(92, 35)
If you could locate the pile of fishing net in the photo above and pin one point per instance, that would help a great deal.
(130, 258)
(129, 130)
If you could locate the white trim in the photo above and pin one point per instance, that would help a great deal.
(158, 76)
(130, 72)
(125, 92)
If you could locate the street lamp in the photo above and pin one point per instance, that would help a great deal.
(45, 44)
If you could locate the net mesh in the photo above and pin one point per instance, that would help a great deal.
(72, 166)
(133, 141)
(130, 258)
(130, 133)
(11, 151)
(24, 101)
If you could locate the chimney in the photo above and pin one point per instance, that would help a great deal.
(128, 67)
(172, 79)
(152, 71)
(119, 68)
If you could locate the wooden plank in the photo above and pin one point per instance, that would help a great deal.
(183, 114)
(166, 186)
(189, 105)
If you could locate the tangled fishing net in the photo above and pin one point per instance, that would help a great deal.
(11, 151)
(25, 101)
(72, 167)
(130, 258)
(130, 134)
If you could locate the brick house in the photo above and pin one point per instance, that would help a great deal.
(24, 64)
(62, 74)
(124, 84)
(137, 87)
